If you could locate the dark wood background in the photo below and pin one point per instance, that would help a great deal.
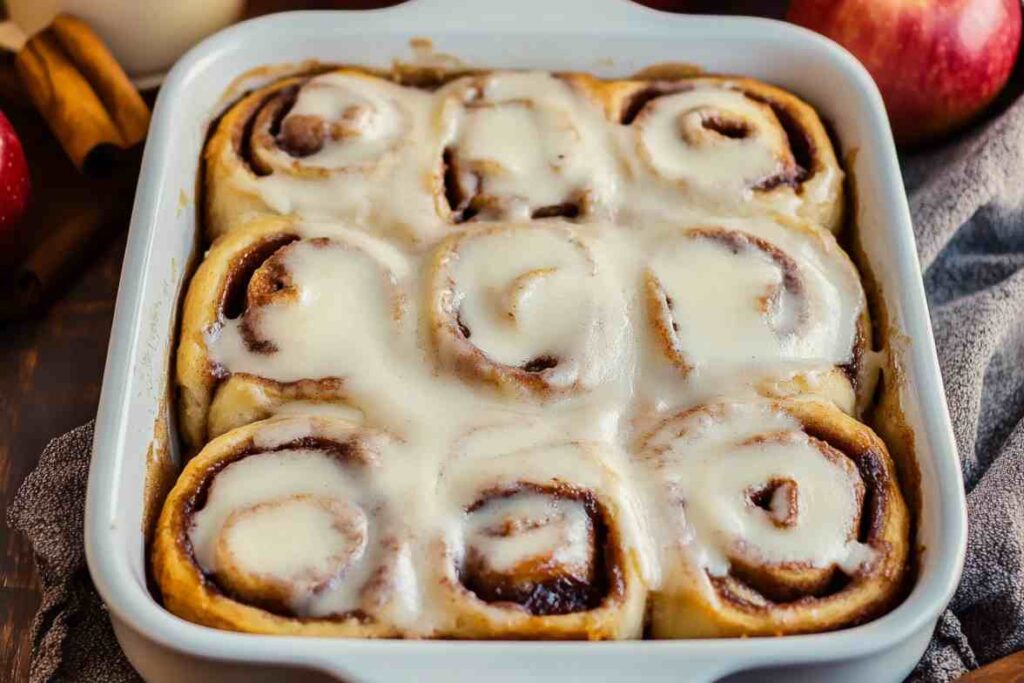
(51, 364)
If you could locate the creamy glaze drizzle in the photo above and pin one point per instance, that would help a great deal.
(531, 305)
(310, 335)
(378, 163)
(524, 142)
(751, 295)
(711, 466)
(302, 524)
(716, 139)
(526, 291)
(511, 531)
(457, 430)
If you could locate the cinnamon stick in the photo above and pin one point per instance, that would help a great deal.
(79, 88)
(68, 245)
(117, 92)
(74, 232)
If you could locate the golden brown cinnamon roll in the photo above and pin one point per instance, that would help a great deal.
(491, 172)
(733, 143)
(524, 307)
(781, 303)
(338, 145)
(269, 320)
(779, 517)
(539, 545)
(285, 527)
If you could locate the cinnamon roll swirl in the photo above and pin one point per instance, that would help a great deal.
(490, 173)
(734, 143)
(338, 145)
(286, 527)
(526, 308)
(781, 517)
(538, 545)
(725, 300)
(268, 321)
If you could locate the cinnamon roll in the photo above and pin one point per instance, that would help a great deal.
(268, 320)
(286, 527)
(538, 545)
(338, 145)
(526, 308)
(733, 143)
(779, 517)
(492, 173)
(781, 303)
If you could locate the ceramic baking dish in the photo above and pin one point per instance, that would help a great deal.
(607, 37)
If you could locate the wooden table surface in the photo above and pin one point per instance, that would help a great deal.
(51, 365)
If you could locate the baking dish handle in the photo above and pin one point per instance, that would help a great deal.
(539, 16)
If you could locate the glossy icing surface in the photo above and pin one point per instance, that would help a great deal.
(494, 345)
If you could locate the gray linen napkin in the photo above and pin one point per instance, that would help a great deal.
(72, 639)
(968, 205)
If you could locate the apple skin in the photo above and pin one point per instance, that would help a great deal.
(938, 63)
(15, 187)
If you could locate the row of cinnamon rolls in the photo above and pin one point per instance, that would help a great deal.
(730, 518)
(408, 162)
(291, 315)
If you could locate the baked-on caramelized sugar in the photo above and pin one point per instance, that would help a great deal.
(538, 581)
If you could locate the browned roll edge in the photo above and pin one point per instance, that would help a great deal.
(734, 609)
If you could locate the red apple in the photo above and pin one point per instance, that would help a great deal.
(938, 63)
(14, 181)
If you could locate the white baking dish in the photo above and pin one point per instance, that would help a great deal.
(608, 37)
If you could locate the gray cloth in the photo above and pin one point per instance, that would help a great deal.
(72, 639)
(968, 205)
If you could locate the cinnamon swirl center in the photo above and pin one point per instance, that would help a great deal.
(491, 174)
(711, 136)
(295, 528)
(721, 298)
(524, 307)
(539, 549)
(293, 322)
(332, 122)
(283, 549)
(766, 504)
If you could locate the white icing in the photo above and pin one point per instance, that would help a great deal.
(296, 539)
(527, 141)
(282, 532)
(317, 336)
(528, 525)
(524, 141)
(363, 311)
(532, 293)
(382, 170)
(363, 122)
(513, 475)
(707, 467)
(733, 305)
(677, 137)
